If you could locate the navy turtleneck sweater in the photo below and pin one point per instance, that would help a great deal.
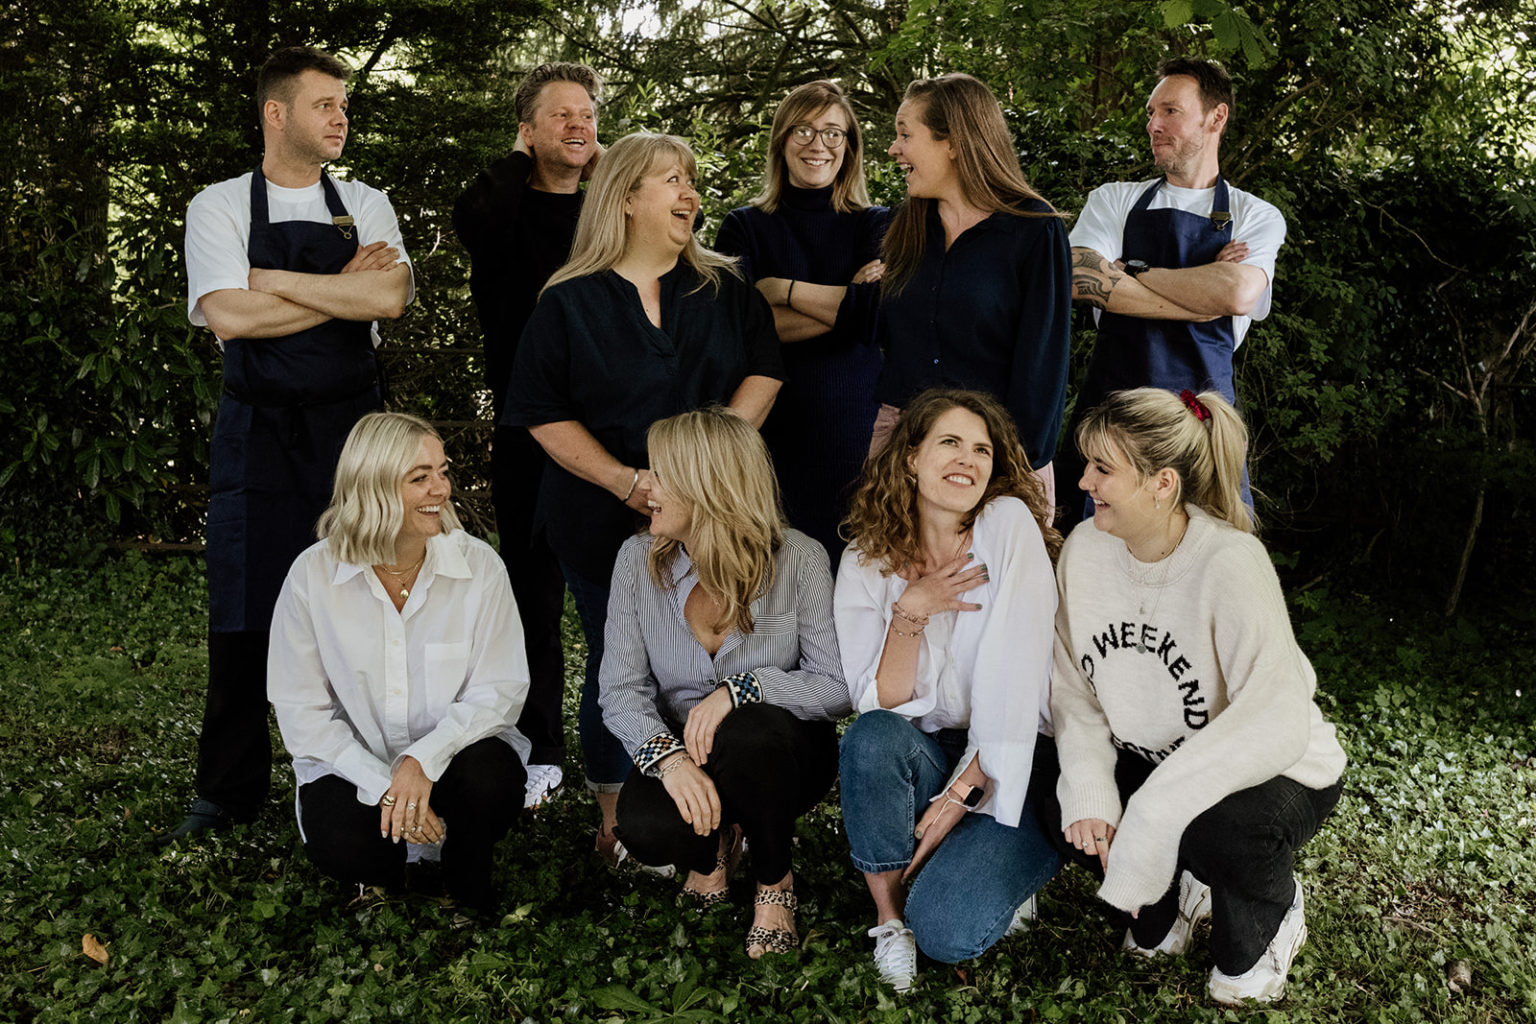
(819, 428)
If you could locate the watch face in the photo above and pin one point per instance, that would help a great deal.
(1134, 267)
(973, 797)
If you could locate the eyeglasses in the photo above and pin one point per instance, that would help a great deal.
(804, 134)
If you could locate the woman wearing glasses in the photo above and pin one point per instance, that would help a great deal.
(811, 244)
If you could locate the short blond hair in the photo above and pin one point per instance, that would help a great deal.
(366, 512)
(717, 463)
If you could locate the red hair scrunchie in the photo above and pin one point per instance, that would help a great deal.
(1197, 407)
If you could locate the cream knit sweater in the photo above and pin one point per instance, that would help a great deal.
(1191, 663)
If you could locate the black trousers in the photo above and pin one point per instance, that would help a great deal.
(769, 768)
(234, 751)
(517, 465)
(1243, 848)
(478, 798)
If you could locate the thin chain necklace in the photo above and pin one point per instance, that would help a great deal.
(405, 588)
(1157, 590)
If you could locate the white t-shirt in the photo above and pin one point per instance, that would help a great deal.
(357, 686)
(1101, 227)
(219, 231)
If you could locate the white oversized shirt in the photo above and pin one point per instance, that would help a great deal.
(357, 685)
(987, 671)
(219, 231)
(1101, 227)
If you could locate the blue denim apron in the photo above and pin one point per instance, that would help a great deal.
(288, 404)
(1133, 352)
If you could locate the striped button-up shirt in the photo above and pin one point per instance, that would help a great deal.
(655, 670)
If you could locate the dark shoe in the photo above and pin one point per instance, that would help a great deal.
(203, 816)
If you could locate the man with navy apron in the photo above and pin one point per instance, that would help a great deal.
(1177, 267)
(290, 268)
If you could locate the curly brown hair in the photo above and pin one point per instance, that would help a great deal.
(882, 517)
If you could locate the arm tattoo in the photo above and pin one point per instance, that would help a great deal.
(1093, 277)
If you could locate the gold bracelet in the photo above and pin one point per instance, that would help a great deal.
(897, 630)
(916, 620)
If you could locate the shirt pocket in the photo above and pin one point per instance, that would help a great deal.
(446, 666)
(781, 624)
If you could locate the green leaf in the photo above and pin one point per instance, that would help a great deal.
(619, 997)
(1176, 13)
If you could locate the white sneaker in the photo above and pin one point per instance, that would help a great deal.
(1264, 982)
(895, 954)
(1023, 918)
(1194, 906)
(621, 856)
(544, 782)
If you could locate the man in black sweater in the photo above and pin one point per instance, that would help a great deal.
(517, 220)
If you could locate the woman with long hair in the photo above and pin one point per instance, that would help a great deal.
(811, 243)
(977, 290)
(1195, 761)
(397, 671)
(721, 675)
(944, 606)
(641, 324)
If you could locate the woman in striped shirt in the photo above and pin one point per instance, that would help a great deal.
(721, 672)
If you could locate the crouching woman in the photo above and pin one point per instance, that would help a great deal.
(1194, 759)
(397, 671)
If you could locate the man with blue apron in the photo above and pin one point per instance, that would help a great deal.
(293, 303)
(1177, 267)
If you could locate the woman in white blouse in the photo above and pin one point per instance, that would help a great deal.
(721, 673)
(944, 608)
(397, 671)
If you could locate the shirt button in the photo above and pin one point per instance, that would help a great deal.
(935, 360)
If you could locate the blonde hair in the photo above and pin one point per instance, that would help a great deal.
(882, 517)
(717, 463)
(603, 229)
(366, 512)
(849, 192)
(1156, 430)
(962, 110)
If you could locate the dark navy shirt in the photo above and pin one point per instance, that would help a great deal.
(516, 237)
(590, 354)
(994, 314)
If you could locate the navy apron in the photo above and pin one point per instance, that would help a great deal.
(288, 404)
(1133, 352)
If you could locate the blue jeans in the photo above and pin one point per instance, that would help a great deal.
(965, 896)
(607, 762)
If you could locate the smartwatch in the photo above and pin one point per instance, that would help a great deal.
(973, 797)
(1135, 267)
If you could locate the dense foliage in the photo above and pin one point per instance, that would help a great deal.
(1390, 390)
(1429, 860)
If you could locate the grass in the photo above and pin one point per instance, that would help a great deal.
(1430, 860)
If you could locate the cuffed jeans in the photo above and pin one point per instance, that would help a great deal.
(964, 898)
(607, 762)
(768, 767)
(1243, 848)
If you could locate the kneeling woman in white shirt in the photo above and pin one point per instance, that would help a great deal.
(944, 607)
(720, 675)
(397, 671)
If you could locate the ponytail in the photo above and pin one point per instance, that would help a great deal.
(1200, 437)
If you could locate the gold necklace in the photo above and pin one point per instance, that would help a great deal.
(405, 589)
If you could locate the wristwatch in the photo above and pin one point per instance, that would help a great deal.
(1135, 267)
(973, 796)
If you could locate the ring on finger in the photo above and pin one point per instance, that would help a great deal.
(411, 806)
(387, 800)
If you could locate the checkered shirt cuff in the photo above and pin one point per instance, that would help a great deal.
(745, 689)
(654, 750)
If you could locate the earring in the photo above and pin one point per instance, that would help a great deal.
(1157, 503)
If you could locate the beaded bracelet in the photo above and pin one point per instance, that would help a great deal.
(897, 630)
